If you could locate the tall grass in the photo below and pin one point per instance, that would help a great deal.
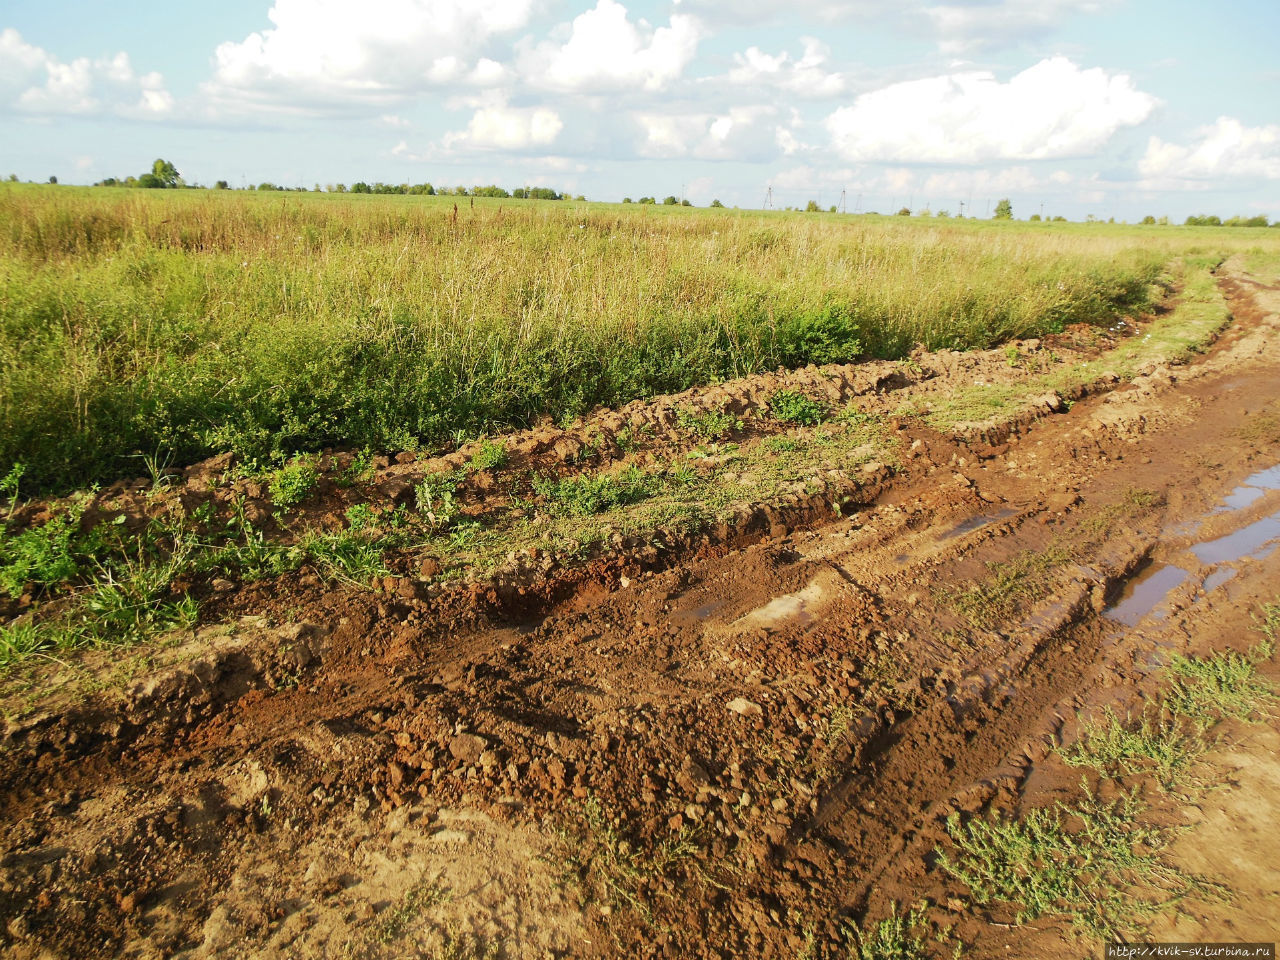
(180, 324)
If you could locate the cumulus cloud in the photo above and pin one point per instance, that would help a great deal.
(501, 127)
(757, 11)
(1053, 109)
(747, 133)
(321, 51)
(969, 27)
(1226, 149)
(607, 51)
(806, 77)
(34, 81)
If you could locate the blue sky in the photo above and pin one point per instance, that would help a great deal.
(1106, 107)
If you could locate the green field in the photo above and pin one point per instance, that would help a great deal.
(171, 325)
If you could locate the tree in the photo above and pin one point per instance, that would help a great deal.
(53, 180)
(904, 212)
(1034, 218)
(647, 200)
(166, 173)
(1004, 210)
(670, 201)
(221, 185)
(811, 206)
(1148, 221)
(626, 199)
(717, 204)
(150, 181)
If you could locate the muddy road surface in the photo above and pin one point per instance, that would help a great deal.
(738, 747)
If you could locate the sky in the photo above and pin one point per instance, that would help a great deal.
(1105, 108)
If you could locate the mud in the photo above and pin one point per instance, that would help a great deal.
(730, 745)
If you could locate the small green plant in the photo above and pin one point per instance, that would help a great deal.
(490, 455)
(436, 497)
(708, 424)
(9, 487)
(1010, 585)
(293, 483)
(794, 407)
(1208, 689)
(361, 517)
(1079, 861)
(783, 444)
(359, 470)
(47, 555)
(1157, 743)
(595, 493)
(896, 937)
(395, 922)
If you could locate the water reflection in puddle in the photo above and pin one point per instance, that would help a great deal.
(1143, 594)
(977, 523)
(1251, 541)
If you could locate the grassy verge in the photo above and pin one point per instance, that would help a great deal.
(178, 326)
(1197, 316)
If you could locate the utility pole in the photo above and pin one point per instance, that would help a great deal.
(768, 198)
(1041, 209)
(961, 209)
(844, 207)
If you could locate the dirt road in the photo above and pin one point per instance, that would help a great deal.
(732, 748)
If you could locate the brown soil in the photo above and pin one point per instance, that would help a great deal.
(730, 744)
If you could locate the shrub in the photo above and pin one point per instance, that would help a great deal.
(794, 407)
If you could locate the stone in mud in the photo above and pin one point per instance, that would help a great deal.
(744, 707)
(399, 492)
(467, 747)
(222, 586)
(429, 567)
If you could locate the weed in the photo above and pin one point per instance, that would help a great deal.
(359, 470)
(1010, 586)
(896, 937)
(1079, 861)
(9, 487)
(490, 455)
(293, 483)
(352, 556)
(1206, 690)
(395, 921)
(361, 517)
(708, 424)
(595, 493)
(1158, 743)
(47, 555)
(794, 407)
(783, 444)
(435, 497)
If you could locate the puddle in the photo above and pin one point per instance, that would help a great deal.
(1250, 541)
(1268, 479)
(1216, 579)
(1239, 498)
(977, 523)
(798, 608)
(1145, 592)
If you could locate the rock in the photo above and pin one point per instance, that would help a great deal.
(406, 456)
(467, 747)
(222, 586)
(429, 567)
(744, 707)
(399, 492)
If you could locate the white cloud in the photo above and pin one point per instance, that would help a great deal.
(606, 51)
(805, 77)
(1053, 109)
(322, 51)
(757, 11)
(34, 81)
(746, 133)
(1224, 150)
(500, 127)
(967, 27)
